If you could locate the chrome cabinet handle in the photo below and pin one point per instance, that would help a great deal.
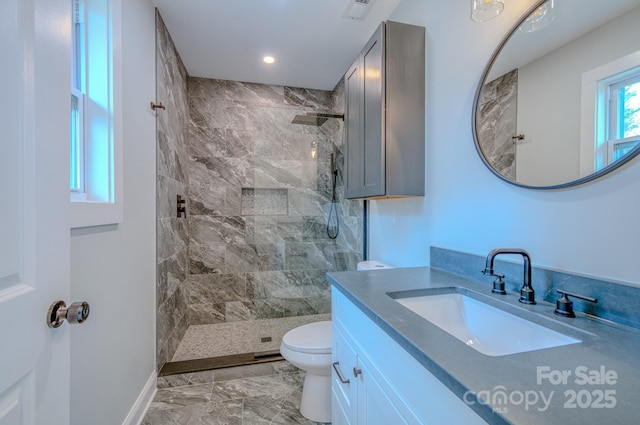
(75, 314)
(356, 372)
(339, 373)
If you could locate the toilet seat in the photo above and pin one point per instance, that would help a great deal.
(313, 338)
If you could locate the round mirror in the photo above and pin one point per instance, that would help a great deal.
(559, 102)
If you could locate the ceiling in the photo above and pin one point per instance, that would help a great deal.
(312, 42)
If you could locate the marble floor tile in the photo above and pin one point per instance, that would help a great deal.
(182, 396)
(221, 413)
(267, 393)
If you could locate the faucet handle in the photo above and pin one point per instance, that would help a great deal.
(564, 306)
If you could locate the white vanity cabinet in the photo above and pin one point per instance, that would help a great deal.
(386, 385)
(358, 398)
(343, 384)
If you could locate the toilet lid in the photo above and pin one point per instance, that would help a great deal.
(314, 338)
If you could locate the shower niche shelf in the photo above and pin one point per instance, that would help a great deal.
(384, 116)
(258, 201)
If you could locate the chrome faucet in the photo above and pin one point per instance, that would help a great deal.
(527, 294)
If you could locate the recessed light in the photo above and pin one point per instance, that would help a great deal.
(268, 59)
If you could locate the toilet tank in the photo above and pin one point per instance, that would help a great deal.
(373, 265)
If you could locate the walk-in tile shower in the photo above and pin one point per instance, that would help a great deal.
(247, 263)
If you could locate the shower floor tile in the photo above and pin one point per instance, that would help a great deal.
(229, 338)
(222, 339)
(267, 393)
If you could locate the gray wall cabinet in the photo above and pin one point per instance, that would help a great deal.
(384, 115)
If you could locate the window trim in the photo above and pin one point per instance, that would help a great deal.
(78, 193)
(102, 203)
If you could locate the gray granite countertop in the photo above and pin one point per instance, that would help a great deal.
(602, 373)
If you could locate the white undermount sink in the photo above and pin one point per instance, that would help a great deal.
(483, 327)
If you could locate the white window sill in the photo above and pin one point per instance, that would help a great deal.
(89, 213)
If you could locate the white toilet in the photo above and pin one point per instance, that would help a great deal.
(308, 347)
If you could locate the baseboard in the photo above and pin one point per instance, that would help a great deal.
(137, 412)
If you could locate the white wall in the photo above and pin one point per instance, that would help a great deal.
(113, 267)
(590, 229)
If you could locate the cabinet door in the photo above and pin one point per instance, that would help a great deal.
(354, 141)
(372, 59)
(343, 393)
(338, 415)
(374, 407)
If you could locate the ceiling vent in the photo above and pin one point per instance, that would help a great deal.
(358, 9)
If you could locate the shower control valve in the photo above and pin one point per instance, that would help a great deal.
(181, 210)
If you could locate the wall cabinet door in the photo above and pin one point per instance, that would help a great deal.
(373, 158)
(364, 117)
(354, 143)
(384, 115)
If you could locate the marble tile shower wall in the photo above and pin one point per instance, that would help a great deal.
(172, 179)
(498, 104)
(258, 246)
(350, 237)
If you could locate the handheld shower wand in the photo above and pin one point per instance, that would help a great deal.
(333, 208)
(317, 119)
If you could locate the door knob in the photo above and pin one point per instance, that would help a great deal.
(75, 314)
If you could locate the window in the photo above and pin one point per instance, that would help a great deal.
(624, 116)
(77, 159)
(95, 135)
(610, 117)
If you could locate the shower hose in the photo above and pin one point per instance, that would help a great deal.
(333, 210)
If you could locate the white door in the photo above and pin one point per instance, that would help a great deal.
(34, 197)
